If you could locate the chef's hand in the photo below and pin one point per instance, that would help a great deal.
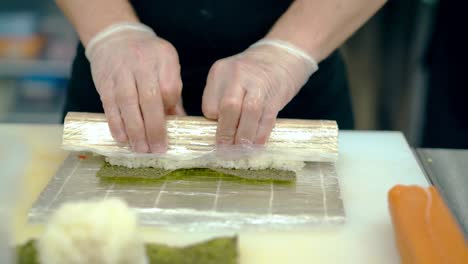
(245, 92)
(137, 76)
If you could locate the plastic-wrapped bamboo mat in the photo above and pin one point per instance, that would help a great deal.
(204, 202)
(194, 137)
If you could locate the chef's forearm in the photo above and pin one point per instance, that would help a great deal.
(91, 16)
(319, 27)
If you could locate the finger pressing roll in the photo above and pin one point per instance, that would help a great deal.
(129, 105)
(112, 113)
(92, 232)
(152, 110)
(212, 94)
(291, 49)
(266, 124)
(170, 82)
(112, 30)
(252, 110)
(230, 110)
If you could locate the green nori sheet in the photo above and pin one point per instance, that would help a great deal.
(27, 253)
(218, 250)
(114, 171)
(266, 174)
(108, 170)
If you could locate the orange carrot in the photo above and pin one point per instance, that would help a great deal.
(425, 230)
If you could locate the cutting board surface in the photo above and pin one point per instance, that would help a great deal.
(370, 163)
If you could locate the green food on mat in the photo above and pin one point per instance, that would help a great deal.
(114, 171)
(266, 174)
(108, 170)
(218, 250)
(27, 253)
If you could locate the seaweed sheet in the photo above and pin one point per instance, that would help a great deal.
(222, 250)
(114, 171)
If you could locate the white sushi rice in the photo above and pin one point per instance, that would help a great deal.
(252, 163)
(83, 232)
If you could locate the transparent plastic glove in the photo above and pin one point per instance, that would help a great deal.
(245, 92)
(137, 76)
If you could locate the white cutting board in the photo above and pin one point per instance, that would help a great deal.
(370, 164)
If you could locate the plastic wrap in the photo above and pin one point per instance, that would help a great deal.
(194, 138)
(202, 203)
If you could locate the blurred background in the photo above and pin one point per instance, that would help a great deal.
(37, 45)
(396, 65)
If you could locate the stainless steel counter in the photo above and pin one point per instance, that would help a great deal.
(447, 169)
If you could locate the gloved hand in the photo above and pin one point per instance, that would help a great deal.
(137, 76)
(245, 92)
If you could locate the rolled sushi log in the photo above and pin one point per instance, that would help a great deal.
(193, 139)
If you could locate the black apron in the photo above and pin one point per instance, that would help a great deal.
(206, 31)
(446, 122)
